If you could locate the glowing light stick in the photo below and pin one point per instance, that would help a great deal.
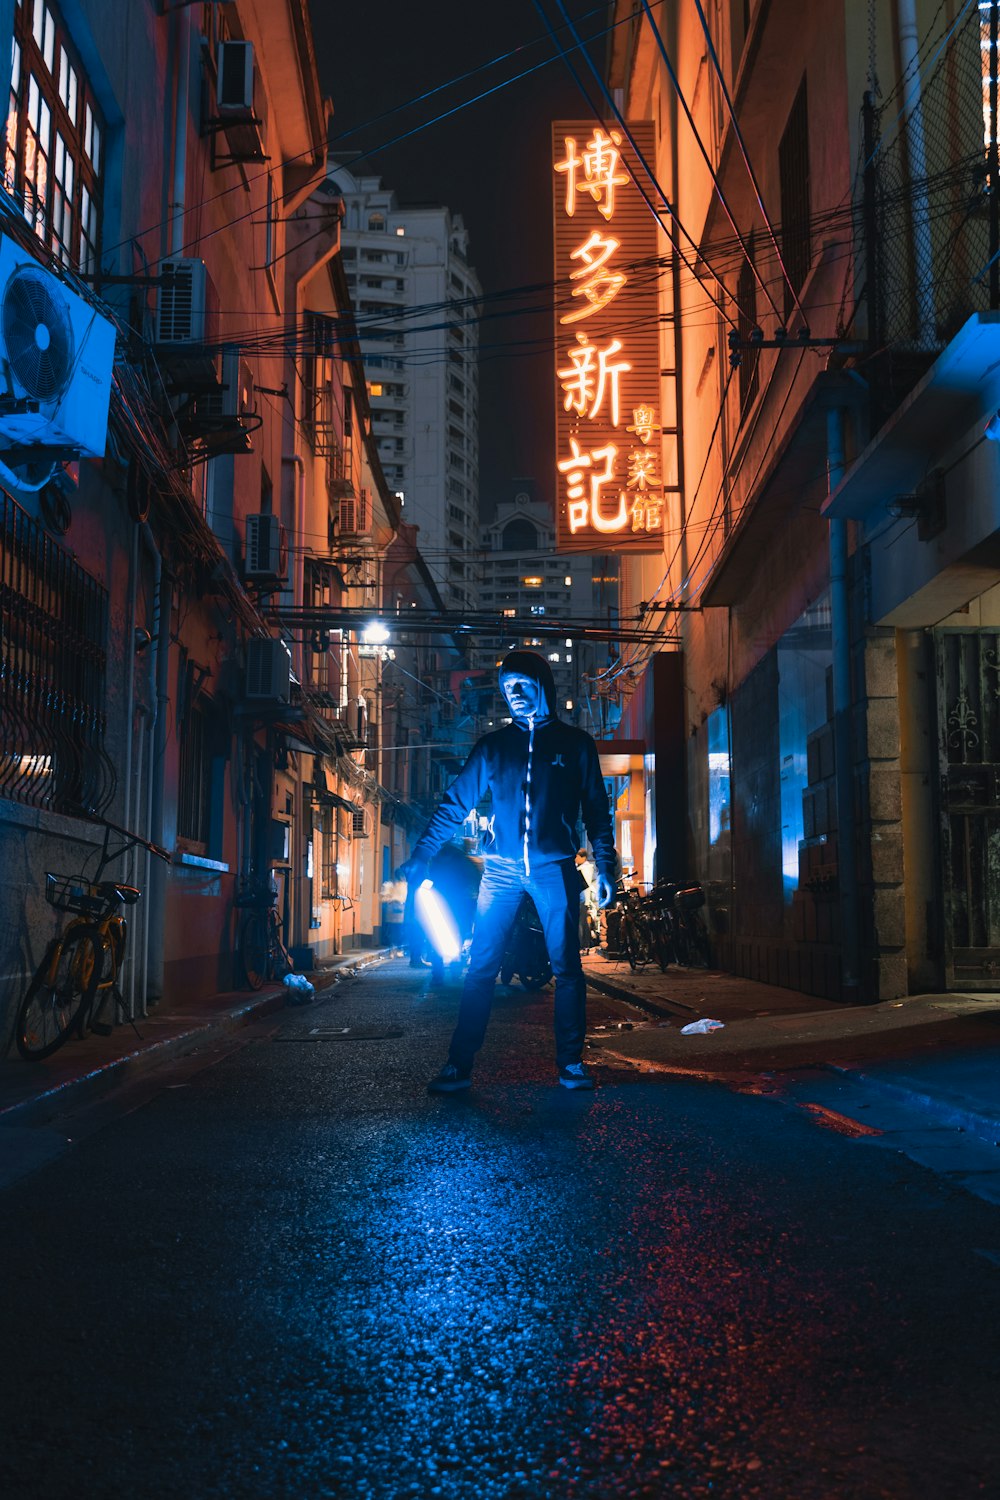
(434, 916)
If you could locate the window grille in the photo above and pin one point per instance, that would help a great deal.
(54, 147)
(358, 828)
(793, 171)
(53, 633)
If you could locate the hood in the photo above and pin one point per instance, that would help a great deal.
(530, 664)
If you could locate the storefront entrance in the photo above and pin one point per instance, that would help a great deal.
(968, 729)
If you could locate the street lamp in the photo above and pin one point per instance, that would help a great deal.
(375, 633)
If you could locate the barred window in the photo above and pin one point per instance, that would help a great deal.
(53, 633)
(54, 145)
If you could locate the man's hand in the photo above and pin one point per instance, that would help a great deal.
(605, 891)
(413, 871)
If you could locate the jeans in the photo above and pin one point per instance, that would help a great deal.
(555, 890)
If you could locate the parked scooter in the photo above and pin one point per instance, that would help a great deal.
(527, 957)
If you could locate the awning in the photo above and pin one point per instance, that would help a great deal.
(325, 791)
(619, 757)
(961, 387)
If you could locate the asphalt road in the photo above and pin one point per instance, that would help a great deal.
(282, 1269)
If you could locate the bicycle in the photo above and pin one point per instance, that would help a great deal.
(634, 936)
(78, 976)
(262, 953)
(691, 940)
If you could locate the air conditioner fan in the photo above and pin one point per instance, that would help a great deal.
(37, 334)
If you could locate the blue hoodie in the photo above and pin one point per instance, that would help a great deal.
(541, 775)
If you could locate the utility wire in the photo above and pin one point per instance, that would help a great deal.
(708, 161)
(639, 154)
(746, 157)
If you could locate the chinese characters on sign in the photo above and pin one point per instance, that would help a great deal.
(609, 458)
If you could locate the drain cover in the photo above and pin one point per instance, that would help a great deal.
(342, 1034)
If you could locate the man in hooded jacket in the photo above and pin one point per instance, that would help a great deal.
(541, 773)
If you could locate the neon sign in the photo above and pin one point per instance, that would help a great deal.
(609, 432)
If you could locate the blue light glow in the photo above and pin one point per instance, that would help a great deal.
(434, 916)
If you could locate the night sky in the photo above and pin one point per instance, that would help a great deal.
(489, 162)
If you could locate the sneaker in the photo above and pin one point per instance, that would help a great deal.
(575, 1076)
(450, 1080)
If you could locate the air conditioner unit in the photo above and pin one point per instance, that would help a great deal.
(266, 548)
(187, 314)
(57, 354)
(215, 418)
(269, 670)
(354, 514)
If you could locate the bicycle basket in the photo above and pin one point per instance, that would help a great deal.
(72, 893)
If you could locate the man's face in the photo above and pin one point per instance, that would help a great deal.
(523, 694)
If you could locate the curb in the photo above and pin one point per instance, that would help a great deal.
(59, 1097)
(944, 1107)
(658, 1008)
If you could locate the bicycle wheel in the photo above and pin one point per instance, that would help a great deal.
(630, 944)
(60, 993)
(253, 946)
(663, 950)
(698, 944)
(278, 956)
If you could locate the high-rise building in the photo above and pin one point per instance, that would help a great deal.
(416, 299)
(524, 581)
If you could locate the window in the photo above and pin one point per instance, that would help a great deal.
(793, 171)
(54, 147)
(746, 299)
(269, 223)
(194, 784)
(53, 630)
(376, 222)
(328, 862)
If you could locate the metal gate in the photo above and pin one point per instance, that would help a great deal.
(968, 725)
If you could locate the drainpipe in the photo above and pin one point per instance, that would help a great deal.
(179, 189)
(300, 919)
(923, 260)
(840, 623)
(154, 767)
(157, 769)
(297, 551)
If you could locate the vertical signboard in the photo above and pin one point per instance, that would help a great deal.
(609, 451)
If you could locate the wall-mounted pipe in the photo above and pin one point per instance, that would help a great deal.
(843, 737)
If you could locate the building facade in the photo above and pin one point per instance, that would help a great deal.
(416, 298)
(195, 518)
(829, 567)
(524, 579)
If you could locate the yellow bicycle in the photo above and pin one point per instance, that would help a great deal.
(78, 975)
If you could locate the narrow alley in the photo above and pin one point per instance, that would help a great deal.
(278, 1267)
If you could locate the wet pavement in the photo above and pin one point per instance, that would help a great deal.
(279, 1268)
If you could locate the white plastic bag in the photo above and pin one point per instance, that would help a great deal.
(697, 1027)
